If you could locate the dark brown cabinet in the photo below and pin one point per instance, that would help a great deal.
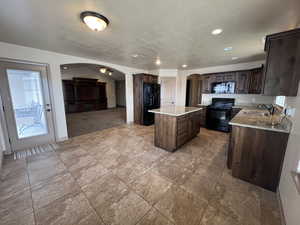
(193, 90)
(282, 72)
(247, 81)
(81, 95)
(171, 132)
(255, 81)
(206, 84)
(203, 116)
(242, 82)
(257, 155)
(138, 81)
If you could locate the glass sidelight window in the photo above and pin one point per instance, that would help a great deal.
(27, 102)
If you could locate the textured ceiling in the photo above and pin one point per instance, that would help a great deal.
(85, 69)
(176, 31)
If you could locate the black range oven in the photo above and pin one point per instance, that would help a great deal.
(219, 114)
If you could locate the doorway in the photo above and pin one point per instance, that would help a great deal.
(26, 104)
(168, 91)
(94, 97)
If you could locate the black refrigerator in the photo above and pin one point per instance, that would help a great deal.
(151, 98)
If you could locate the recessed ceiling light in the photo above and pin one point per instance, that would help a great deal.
(228, 49)
(103, 70)
(94, 21)
(235, 58)
(135, 55)
(65, 67)
(158, 62)
(110, 73)
(184, 65)
(217, 31)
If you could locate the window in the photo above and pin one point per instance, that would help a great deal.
(280, 100)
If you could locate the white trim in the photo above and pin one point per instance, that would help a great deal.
(62, 139)
(3, 126)
(8, 149)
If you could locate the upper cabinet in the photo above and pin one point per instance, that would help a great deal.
(206, 84)
(242, 84)
(255, 81)
(246, 81)
(282, 72)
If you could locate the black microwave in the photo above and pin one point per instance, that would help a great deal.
(227, 87)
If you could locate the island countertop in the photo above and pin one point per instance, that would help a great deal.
(175, 110)
(258, 119)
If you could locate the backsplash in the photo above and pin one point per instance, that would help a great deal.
(240, 99)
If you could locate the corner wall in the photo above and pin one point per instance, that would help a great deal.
(54, 60)
(290, 197)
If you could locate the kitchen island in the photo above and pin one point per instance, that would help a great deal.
(175, 125)
(257, 147)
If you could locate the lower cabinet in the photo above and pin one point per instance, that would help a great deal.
(171, 132)
(256, 155)
(203, 116)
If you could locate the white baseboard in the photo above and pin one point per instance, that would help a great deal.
(282, 217)
(62, 139)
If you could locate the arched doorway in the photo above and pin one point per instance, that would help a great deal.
(94, 97)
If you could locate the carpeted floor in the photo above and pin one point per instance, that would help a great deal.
(88, 122)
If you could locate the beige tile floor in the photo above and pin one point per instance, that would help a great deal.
(117, 177)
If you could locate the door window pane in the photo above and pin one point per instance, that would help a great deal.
(27, 102)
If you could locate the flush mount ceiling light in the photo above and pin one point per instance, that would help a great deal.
(158, 62)
(235, 58)
(103, 70)
(109, 73)
(135, 55)
(227, 49)
(217, 31)
(65, 67)
(94, 21)
(184, 66)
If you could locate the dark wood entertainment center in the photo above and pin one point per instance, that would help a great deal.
(83, 94)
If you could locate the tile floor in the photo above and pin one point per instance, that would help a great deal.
(117, 177)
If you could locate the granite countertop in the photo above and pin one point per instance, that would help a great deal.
(175, 110)
(259, 119)
(235, 106)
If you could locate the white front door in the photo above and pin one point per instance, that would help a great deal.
(27, 108)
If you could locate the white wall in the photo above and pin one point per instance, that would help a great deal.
(55, 60)
(289, 196)
(241, 99)
(86, 73)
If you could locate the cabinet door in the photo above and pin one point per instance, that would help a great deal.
(255, 81)
(230, 76)
(206, 80)
(242, 82)
(218, 78)
(282, 68)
